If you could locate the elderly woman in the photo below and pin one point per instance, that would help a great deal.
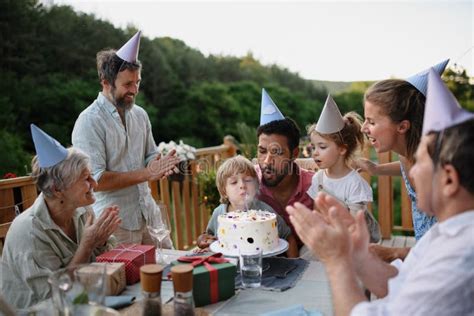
(59, 229)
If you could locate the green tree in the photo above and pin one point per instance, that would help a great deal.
(353, 98)
(13, 158)
(49, 77)
(460, 85)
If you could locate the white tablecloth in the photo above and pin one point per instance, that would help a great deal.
(312, 290)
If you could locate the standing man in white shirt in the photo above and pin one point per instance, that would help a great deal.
(117, 135)
(437, 277)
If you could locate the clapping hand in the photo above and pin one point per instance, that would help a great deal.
(323, 202)
(326, 236)
(332, 232)
(163, 166)
(356, 226)
(97, 232)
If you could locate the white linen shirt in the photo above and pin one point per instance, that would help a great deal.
(100, 133)
(437, 277)
(35, 247)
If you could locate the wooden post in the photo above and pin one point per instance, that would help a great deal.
(7, 209)
(154, 190)
(365, 175)
(230, 142)
(195, 200)
(177, 214)
(165, 195)
(187, 211)
(28, 195)
(385, 193)
(7, 213)
(204, 217)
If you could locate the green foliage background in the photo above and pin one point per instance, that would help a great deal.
(48, 77)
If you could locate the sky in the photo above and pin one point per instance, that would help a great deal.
(323, 40)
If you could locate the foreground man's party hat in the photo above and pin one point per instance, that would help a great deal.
(442, 110)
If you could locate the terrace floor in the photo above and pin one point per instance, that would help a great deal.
(399, 241)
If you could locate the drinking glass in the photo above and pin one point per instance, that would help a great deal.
(158, 225)
(251, 268)
(92, 277)
(78, 285)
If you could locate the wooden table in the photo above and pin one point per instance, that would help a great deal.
(312, 290)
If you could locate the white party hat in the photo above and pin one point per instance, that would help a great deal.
(330, 121)
(442, 110)
(129, 51)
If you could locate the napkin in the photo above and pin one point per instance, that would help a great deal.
(279, 273)
(166, 274)
(279, 267)
(119, 301)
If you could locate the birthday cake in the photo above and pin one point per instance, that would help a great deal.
(247, 231)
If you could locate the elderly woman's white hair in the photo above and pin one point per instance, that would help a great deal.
(62, 175)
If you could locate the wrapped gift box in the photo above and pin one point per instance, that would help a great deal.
(133, 256)
(213, 278)
(115, 280)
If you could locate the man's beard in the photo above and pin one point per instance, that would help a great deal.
(121, 103)
(278, 177)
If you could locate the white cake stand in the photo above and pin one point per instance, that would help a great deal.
(282, 247)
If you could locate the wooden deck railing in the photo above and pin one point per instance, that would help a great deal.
(385, 202)
(16, 195)
(189, 216)
(386, 209)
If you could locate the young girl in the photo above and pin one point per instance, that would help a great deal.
(335, 139)
(237, 183)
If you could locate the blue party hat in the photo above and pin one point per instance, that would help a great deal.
(50, 152)
(269, 112)
(420, 80)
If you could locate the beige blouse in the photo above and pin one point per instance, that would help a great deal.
(34, 247)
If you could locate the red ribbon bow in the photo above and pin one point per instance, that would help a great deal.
(213, 274)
